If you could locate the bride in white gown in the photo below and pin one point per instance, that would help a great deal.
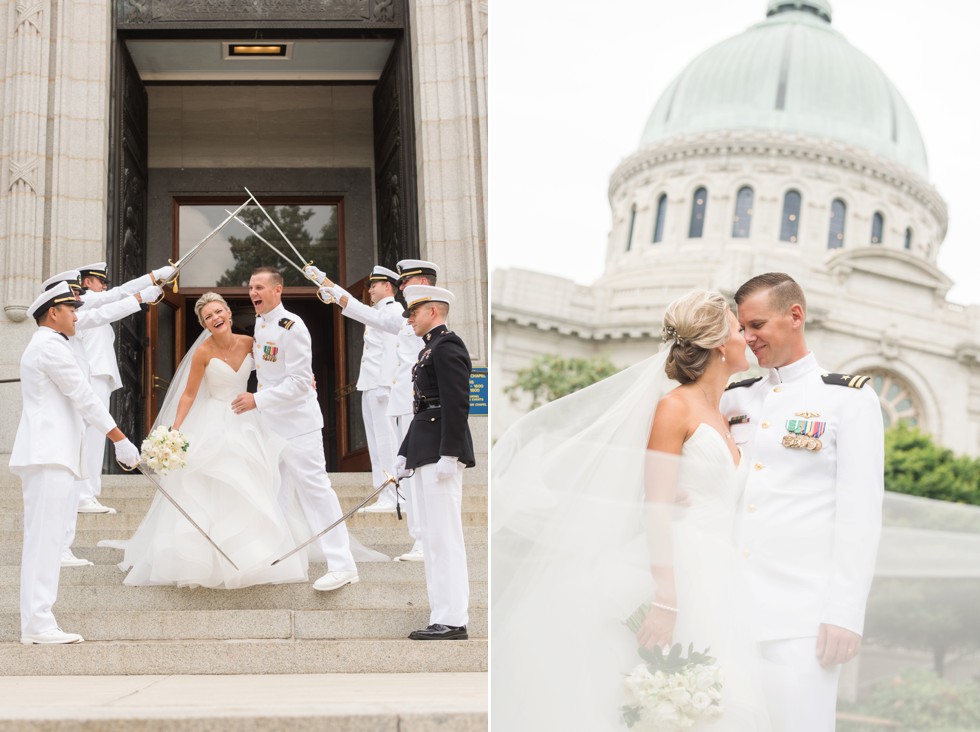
(230, 485)
(599, 506)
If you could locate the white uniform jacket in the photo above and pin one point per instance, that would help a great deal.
(809, 520)
(94, 330)
(57, 400)
(284, 365)
(407, 347)
(379, 360)
(92, 300)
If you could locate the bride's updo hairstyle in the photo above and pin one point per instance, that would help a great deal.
(696, 323)
(206, 299)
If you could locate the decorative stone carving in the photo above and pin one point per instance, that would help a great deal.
(170, 11)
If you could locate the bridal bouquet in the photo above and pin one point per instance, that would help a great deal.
(669, 691)
(163, 450)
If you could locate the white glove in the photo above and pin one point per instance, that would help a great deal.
(326, 294)
(400, 470)
(381, 393)
(150, 294)
(126, 453)
(445, 468)
(314, 273)
(164, 273)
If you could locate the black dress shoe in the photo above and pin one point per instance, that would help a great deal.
(440, 632)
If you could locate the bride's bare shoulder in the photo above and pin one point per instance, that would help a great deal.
(671, 422)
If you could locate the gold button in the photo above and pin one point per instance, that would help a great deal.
(758, 466)
(746, 553)
(778, 388)
(765, 425)
(751, 508)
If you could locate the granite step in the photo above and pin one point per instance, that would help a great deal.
(371, 536)
(13, 521)
(253, 656)
(413, 702)
(279, 623)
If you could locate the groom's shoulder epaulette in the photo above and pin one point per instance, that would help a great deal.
(286, 323)
(855, 381)
(744, 382)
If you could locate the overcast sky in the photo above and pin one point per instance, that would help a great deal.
(572, 85)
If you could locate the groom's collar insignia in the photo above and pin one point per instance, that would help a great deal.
(739, 419)
(286, 323)
(746, 382)
(855, 381)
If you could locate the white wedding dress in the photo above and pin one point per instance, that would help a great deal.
(573, 540)
(229, 487)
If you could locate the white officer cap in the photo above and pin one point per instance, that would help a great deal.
(96, 269)
(420, 294)
(412, 267)
(383, 274)
(70, 276)
(58, 294)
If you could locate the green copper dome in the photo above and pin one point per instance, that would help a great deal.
(791, 73)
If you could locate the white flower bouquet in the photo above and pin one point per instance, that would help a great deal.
(670, 691)
(163, 450)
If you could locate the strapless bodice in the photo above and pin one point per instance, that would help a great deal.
(223, 382)
(709, 475)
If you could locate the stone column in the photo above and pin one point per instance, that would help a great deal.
(79, 135)
(22, 173)
(449, 49)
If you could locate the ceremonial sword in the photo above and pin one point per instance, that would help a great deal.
(289, 261)
(179, 264)
(340, 520)
(183, 513)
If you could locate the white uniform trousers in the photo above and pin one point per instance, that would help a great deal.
(439, 504)
(49, 504)
(304, 469)
(93, 444)
(380, 438)
(406, 486)
(800, 693)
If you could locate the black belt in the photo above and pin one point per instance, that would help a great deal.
(427, 404)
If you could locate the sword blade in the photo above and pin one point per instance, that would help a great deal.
(178, 265)
(339, 521)
(269, 244)
(274, 224)
(186, 516)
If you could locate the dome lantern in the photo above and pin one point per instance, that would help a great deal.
(820, 8)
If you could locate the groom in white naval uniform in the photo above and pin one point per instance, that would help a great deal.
(809, 519)
(57, 402)
(287, 403)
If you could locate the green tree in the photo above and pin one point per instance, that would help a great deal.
(550, 377)
(250, 253)
(917, 466)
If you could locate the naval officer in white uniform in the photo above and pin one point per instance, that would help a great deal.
(407, 346)
(47, 452)
(288, 406)
(810, 516)
(90, 319)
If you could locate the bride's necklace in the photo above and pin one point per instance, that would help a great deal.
(223, 352)
(727, 433)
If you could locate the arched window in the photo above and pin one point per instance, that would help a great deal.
(835, 239)
(629, 235)
(877, 227)
(743, 213)
(697, 213)
(908, 238)
(658, 225)
(789, 228)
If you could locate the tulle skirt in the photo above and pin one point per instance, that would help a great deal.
(230, 487)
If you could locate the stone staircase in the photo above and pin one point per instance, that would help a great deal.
(271, 629)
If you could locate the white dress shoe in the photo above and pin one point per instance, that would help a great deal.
(51, 636)
(335, 580)
(92, 505)
(70, 560)
(415, 555)
(384, 504)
